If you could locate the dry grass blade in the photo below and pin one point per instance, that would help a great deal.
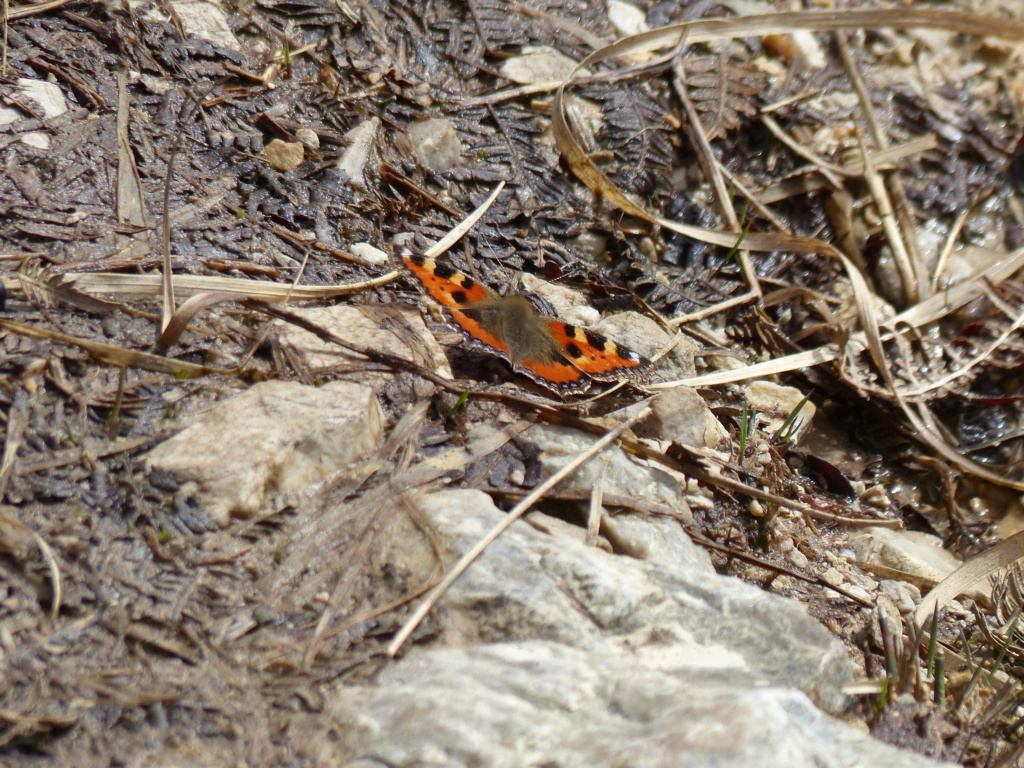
(24, 11)
(802, 185)
(927, 311)
(17, 421)
(130, 197)
(118, 356)
(186, 312)
(975, 570)
(518, 511)
(12, 527)
(116, 284)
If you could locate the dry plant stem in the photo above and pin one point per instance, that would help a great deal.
(951, 238)
(23, 11)
(902, 243)
(730, 552)
(597, 502)
(700, 314)
(828, 170)
(802, 185)
(757, 205)
(7, 16)
(117, 284)
(709, 164)
(17, 421)
(118, 356)
(880, 195)
(518, 511)
(165, 246)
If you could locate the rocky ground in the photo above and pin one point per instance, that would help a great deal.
(239, 454)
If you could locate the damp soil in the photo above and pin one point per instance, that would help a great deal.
(172, 636)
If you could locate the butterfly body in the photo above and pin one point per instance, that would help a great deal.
(556, 355)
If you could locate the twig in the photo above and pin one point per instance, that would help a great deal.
(904, 244)
(709, 163)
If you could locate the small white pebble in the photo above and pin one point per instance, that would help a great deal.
(309, 138)
(876, 497)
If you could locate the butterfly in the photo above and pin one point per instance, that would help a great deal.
(556, 355)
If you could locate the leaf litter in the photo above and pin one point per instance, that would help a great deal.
(127, 611)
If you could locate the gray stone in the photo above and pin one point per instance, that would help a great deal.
(395, 330)
(436, 144)
(622, 475)
(656, 539)
(537, 64)
(913, 552)
(357, 155)
(682, 416)
(678, 617)
(208, 22)
(276, 437)
(777, 402)
(599, 660)
(538, 703)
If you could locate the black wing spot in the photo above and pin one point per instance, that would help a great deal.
(467, 283)
(596, 340)
(459, 297)
(573, 351)
(473, 314)
(443, 271)
(418, 259)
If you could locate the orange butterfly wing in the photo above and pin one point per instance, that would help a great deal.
(596, 356)
(446, 286)
(574, 354)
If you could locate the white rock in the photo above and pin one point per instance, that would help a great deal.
(538, 703)
(540, 64)
(436, 144)
(46, 96)
(682, 416)
(355, 157)
(913, 552)
(398, 331)
(369, 253)
(207, 22)
(593, 659)
(310, 139)
(276, 437)
(627, 18)
(906, 596)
